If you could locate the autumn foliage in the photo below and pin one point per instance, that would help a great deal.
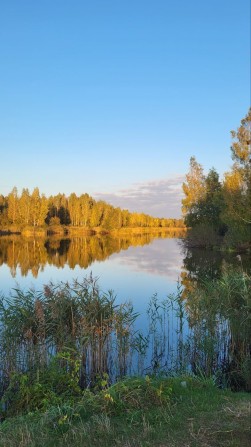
(33, 210)
(219, 213)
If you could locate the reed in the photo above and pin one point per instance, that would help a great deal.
(77, 324)
(70, 337)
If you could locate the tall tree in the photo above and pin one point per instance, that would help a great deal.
(237, 186)
(194, 190)
(13, 205)
(24, 207)
(241, 147)
(97, 213)
(85, 209)
(3, 210)
(38, 209)
(213, 204)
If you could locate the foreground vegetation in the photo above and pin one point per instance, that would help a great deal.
(139, 412)
(57, 343)
(65, 352)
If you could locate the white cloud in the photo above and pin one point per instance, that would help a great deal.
(160, 198)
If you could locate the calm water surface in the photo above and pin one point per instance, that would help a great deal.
(134, 273)
(150, 266)
(136, 268)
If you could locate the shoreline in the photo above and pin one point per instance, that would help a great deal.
(84, 231)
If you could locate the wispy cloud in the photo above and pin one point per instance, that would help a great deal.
(160, 198)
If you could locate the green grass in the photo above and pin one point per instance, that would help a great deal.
(174, 412)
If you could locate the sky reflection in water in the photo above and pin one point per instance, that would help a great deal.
(134, 274)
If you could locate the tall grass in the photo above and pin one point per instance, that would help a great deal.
(74, 328)
(70, 337)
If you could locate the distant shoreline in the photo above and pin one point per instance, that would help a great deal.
(73, 231)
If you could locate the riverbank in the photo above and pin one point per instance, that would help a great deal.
(37, 232)
(173, 412)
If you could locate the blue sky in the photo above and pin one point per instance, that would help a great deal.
(113, 97)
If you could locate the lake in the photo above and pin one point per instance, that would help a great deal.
(140, 269)
(134, 268)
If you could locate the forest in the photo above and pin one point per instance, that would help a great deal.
(20, 212)
(219, 213)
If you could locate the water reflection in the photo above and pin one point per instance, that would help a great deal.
(32, 255)
(216, 291)
(206, 330)
(159, 259)
(200, 266)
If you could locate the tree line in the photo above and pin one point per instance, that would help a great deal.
(18, 211)
(219, 212)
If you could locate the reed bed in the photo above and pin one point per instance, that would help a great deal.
(71, 337)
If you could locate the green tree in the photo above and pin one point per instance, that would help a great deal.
(211, 208)
(203, 206)
(213, 204)
(195, 192)
(237, 187)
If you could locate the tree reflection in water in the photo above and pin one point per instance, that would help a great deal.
(217, 293)
(213, 301)
(32, 255)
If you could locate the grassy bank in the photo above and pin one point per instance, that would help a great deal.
(174, 412)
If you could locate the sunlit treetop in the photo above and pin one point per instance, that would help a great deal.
(241, 147)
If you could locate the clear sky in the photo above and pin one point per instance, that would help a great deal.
(113, 97)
